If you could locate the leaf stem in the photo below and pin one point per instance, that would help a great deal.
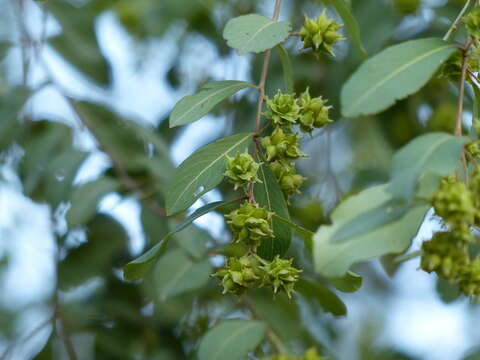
(461, 95)
(263, 75)
(409, 256)
(457, 21)
(271, 335)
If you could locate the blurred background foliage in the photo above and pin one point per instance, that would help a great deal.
(86, 87)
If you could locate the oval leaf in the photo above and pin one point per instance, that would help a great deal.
(433, 153)
(193, 107)
(255, 33)
(202, 171)
(325, 297)
(175, 274)
(269, 195)
(287, 69)
(333, 259)
(393, 74)
(231, 340)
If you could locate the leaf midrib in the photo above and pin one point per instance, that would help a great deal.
(395, 73)
(208, 167)
(230, 338)
(206, 99)
(242, 49)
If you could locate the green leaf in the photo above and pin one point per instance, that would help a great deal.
(434, 153)
(325, 297)
(348, 283)
(393, 74)
(333, 259)
(255, 33)
(269, 195)
(175, 274)
(287, 69)
(85, 199)
(193, 107)
(231, 339)
(351, 24)
(306, 234)
(4, 47)
(137, 268)
(202, 171)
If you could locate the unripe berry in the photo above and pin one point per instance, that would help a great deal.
(280, 275)
(242, 169)
(283, 109)
(289, 181)
(320, 34)
(283, 146)
(313, 112)
(239, 274)
(250, 224)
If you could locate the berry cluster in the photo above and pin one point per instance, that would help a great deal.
(310, 354)
(447, 253)
(250, 223)
(282, 147)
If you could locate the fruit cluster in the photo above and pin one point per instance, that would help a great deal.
(320, 34)
(447, 253)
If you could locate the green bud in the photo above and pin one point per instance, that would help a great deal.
(472, 22)
(454, 202)
(320, 34)
(242, 169)
(283, 109)
(250, 224)
(452, 68)
(313, 113)
(473, 149)
(239, 274)
(281, 145)
(445, 255)
(469, 282)
(288, 179)
(280, 275)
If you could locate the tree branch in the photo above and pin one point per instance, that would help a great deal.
(454, 26)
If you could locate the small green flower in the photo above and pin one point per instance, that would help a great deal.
(313, 112)
(283, 109)
(281, 145)
(454, 202)
(320, 33)
(472, 22)
(444, 255)
(239, 274)
(469, 282)
(242, 169)
(288, 179)
(250, 224)
(280, 275)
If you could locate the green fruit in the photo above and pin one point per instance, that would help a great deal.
(282, 146)
(242, 169)
(283, 109)
(313, 112)
(320, 34)
(280, 275)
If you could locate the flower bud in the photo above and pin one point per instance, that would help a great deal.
(280, 275)
(283, 109)
(250, 224)
(242, 169)
(281, 145)
(313, 112)
(320, 34)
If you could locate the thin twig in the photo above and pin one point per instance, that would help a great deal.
(457, 21)
(458, 125)
(263, 75)
(406, 257)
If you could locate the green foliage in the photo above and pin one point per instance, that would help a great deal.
(334, 258)
(393, 74)
(231, 339)
(193, 107)
(255, 33)
(202, 171)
